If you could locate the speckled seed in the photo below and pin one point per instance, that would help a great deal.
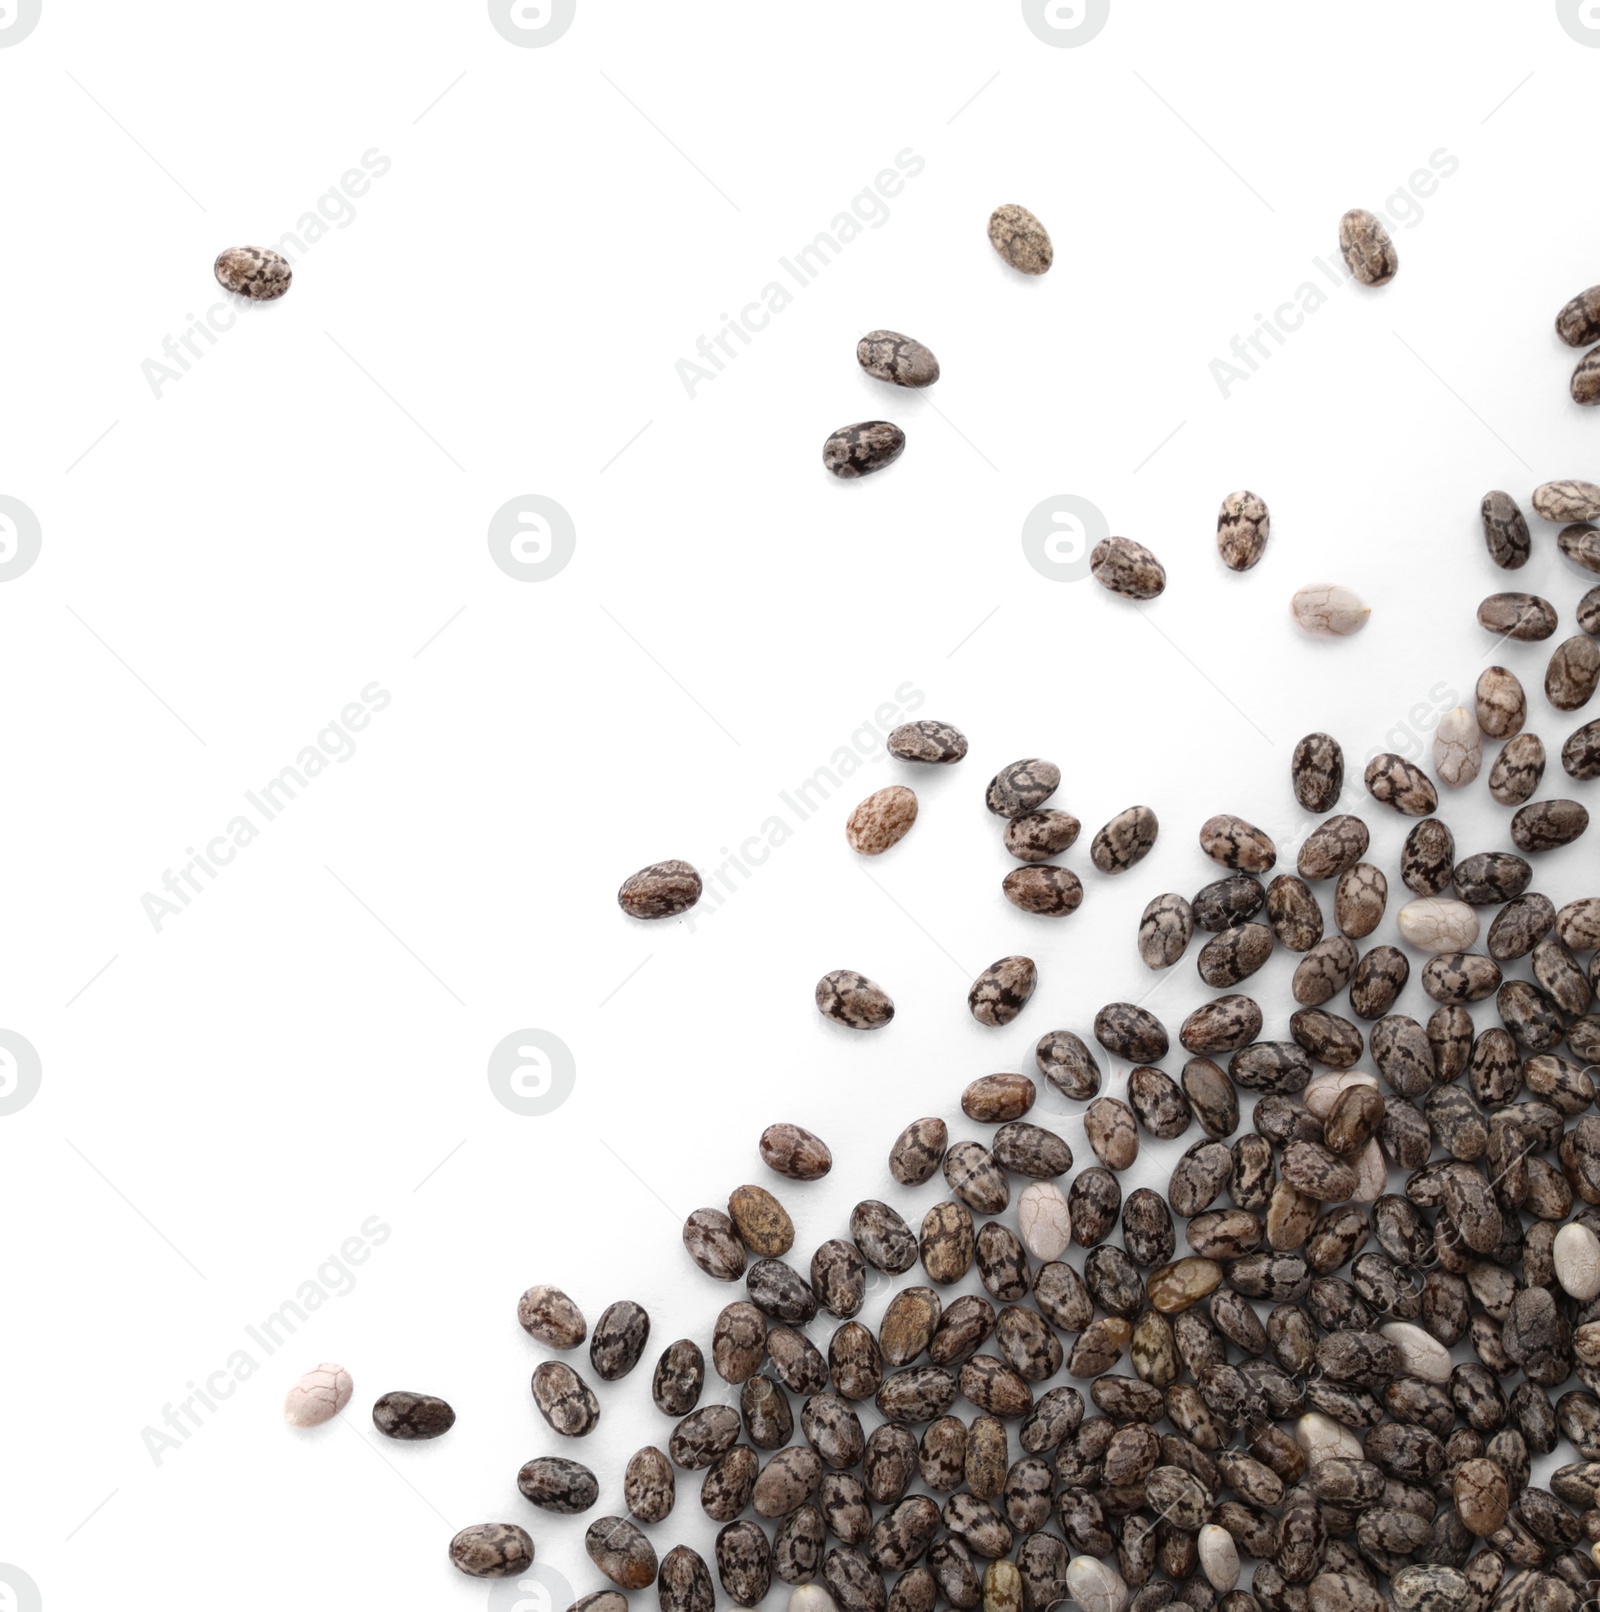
(1002, 990)
(1044, 1220)
(564, 1487)
(318, 1396)
(1482, 1496)
(1359, 900)
(1022, 787)
(1356, 1117)
(1047, 891)
(1165, 929)
(1243, 526)
(793, 1151)
(1586, 380)
(1580, 543)
(946, 1244)
(1128, 1031)
(1427, 859)
(546, 1313)
(882, 820)
(1457, 977)
(1068, 1064)
(1433, 924)
(1226, 902)
(492, 1550)
(918, 1152)
(1578, 924)
(1379, 978)
(1234, 955)
(1522, 616)
(713, 1245)
(1567, 501)
(787, 1481)
(974, 1177)
(1212, 1098)
(683, 1584)
(256, 272)
(1367, 248)
(1317, 772)
(619, 1340)
(852, 999)
(738, 1342)
(1329, 1039)
(1547, 824)
(838, 1277)
(1293, 913)
(621, 1552)
(662, 890)
(564, 1399)
(1125, 567)
(1505, 531)
(1125, 841)
(1092, 1203)
(401, 1414)
(1518, 769)
(1317, 1173)
(1394, 781)
(1580, 754)
(884, 1238)
(1578, 323)
(1332, 847)
(1573, 673)
(761, 1221)
(648, 1486)
(886, 355)
(858, 450)
(936, 744)
(744, 1563)
(992, 1099)
(1183, 1283)
(1031, 1150)
(1324, 971)
(1500, 704)
(1038, 836)
(1329, 610)
(679, 1375)
(1112, 1132)
(768, 1421)
(1156, 1098)
(1225, 1025)
(1020, 239)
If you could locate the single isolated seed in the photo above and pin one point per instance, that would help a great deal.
(1002, 990)
(1317, 772)
(1020, 239)
(854, 451)
(318, 1396)
(1329, 610)
(886, 355)
(1367, 247)
(935, 744)
(1243, 527)
(492, 1550)
(407, 1416)
(852, 999)
(882, 820)
(662, 890)
(255, 272)
(1127, 568)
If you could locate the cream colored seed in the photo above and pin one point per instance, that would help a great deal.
(1044, 1220)
(1219, 1558)
(1329, 610)
(1372, 1174)
(318, 1397)
(1576, 1254)
(1095, 1585)
(1437, 924)
(1323, 1092)
(1457, 748)
(1421, 1354)
(1320, 1437)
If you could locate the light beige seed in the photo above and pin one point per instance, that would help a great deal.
(1576, 1253)
(1421, 1354)
(1436, 924)
(1457, 747)
(1044, 1220)
(1020, 239)
(1219, 1558)
(1329, 610)
(882, 820)
(318, 1396)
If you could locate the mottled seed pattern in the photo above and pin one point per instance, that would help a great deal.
(860, 450)
(662, 890)
(1367, 247)
(256, 272)
(1125, 567)
(1020, 239)
(1243, 527)
(886, 355)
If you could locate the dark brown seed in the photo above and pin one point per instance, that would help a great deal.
(1505, 531)
(1380, 977)
(1131, 1032)
(1293, 912)
(1155, 1097)
(1093, 1201)
(1394, 781)
(744, 1563)
(1147, 1231)
(883, 1237)
(838, 1277)
(1329, 1039)
(1243, 527)
(852, 999)
(1547, 824)
(1125, 567)
(931, 743)
(797, 1545)
(1038, 836)
(662, 890)
(1225, 1025)
(1367, 248)
(762, 1222)
(1580, 755)
(1211, 1097)
(1047, 891)
(621, 1552)
(1523, 616)
(858, 450)
(1518, 927)
(1226, 902)
(794, 1152)
(768, 1421)
(1031, 1150)
(1002, 990)
(1022, 787)
(679, 1376)
(1317, 772)
(561, 1486)
(492, 1550)
(992, 1099)
(1234, 955)
(619, 1340)
(1067, 1063)
(1125, 841)
(1580, 543)
(971, 1173)
(683, 1583)
(1578, 323)
(1427, 860)
(738, 1342)
(1492, 878)
(648, 1486)
(1331, 847)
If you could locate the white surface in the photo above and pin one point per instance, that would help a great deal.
(275, 1070)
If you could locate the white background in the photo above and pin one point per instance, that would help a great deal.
(225, 567)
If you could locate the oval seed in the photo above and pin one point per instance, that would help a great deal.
(886, 355)
(882, 820)
(854, 451)
(1367, 247)
(1020, 239)
(1329, 610)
